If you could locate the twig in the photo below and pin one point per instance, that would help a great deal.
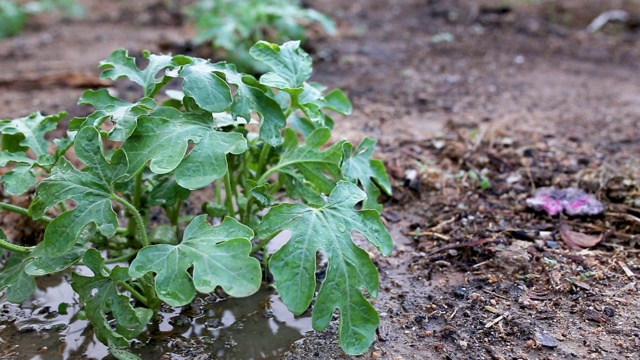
(461, 245)
(496, 320)
(442, 223)
(481, 263)
(626, 270)
(453, 313)
(429, 233)
(623, 215)
(496, 295)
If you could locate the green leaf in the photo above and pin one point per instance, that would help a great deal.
(91, 189)
(217, 256)
(321, 168)
(337, 101)
(19, 285)
(20, 135)
(100, 297)
(39, 262)
(358, 167)
(122, 354)
(252, 96)
(163, 137)
(29, 133)
(163, 234)
(124, 114)
(260, 193)
(328, 229)
(291, 65)
(214, 209)
(19, 179)
(168, 192)
(120, 64)
(312, 102)
(208, 90)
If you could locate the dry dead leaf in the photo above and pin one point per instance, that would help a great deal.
(578, 241)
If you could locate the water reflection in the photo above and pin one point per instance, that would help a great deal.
(258, 327)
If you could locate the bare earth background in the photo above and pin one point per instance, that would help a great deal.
(522, 95)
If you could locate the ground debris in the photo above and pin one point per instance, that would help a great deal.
(576, 240)
(546, 340)
(573, 201)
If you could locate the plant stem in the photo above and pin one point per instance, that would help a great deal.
(274, 169)
(218, 191)
(247, 211)
(246, 175)
(262, 161)
(15, 248)
(262, 244)
(121, 258)
(135, 201)
(135, 293)
(159, 87)
(23, 211)
(144, 241)
(228, 194)
(147, 283)
(129, 288)
(275, 187)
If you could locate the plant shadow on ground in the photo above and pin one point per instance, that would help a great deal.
(518, 96)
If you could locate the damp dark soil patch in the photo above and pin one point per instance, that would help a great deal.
(475, 107)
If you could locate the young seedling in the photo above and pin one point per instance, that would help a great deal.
(258, 147)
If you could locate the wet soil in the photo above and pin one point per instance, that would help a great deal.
(475, 106)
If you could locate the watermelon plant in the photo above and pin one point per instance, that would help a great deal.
(14, 13)
(259, 148)
(233, 26)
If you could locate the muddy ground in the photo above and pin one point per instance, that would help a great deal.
(516, 92)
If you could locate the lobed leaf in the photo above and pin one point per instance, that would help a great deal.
(120, 64)
(252, 96)
(29, 132)
(163, 137)
(208, 90)
(19, 271)
(290, 64)
(91, 189)
(206, 258)
(359, 167)
(19, 179)
(19, 285)
(20, 135)
(100, 297)
(40, 263)
(328, 228)
(309, 163)
(124, 114)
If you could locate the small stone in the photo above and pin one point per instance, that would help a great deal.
(546, 340)
(463, 344)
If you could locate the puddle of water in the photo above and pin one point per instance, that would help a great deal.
(257, 327)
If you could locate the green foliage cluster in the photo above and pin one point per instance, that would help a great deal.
(14, 13)
(235, 25)
(258, 147)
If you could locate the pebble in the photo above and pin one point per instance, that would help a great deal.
(546, 340)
